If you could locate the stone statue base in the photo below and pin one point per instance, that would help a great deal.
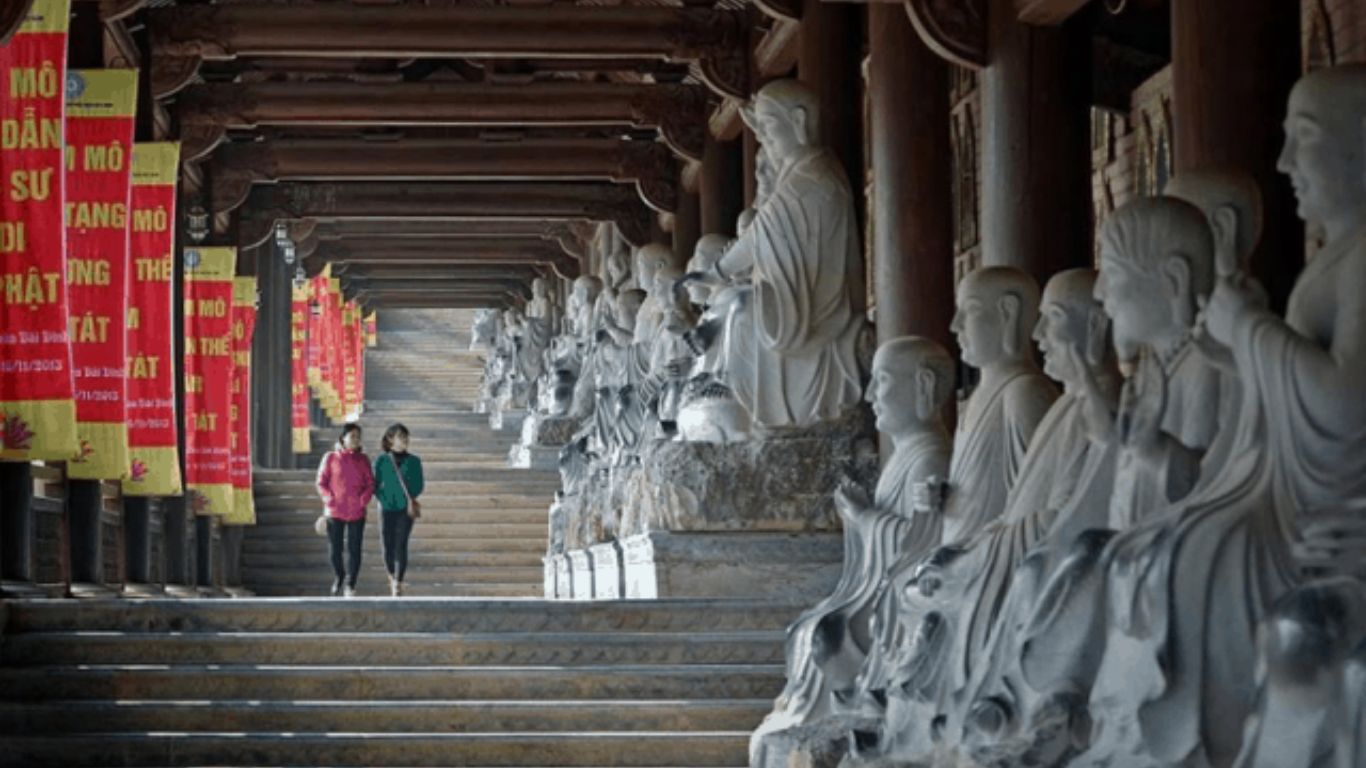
(542, 438)
(581, 566)
(549, 581)
(823, 745)
(564, 578)
(791, 567)
(608, 575)
(506, 419)
(782, 482)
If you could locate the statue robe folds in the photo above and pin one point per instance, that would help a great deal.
(1300, 449)
(805, 247)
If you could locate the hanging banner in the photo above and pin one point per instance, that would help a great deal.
(298, 353)
(100, 104)
(152, 441)
(208, 378)
(371, 330)
(37, 389)
(351, 344)
(243, 329)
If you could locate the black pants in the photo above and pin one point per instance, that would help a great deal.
(354, 533)
(394, 533)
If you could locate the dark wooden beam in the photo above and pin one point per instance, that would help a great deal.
(713, 39)
(1047, 12)
(954, 29)
(235, 168)
(457, 253)
(558, 201)
(207, 111)
(12, 14)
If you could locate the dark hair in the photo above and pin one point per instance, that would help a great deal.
(347, 429)
(386, 444)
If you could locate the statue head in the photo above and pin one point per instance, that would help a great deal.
(912, 378)
(628, 307)
(1071, 318)
(785, 116)
(618, 266)
(1156, 260)
(1232, 204)
(665, 277)
(709, 250)
(649, 259)
(996, 311)
(586, 290)
(1323, 154)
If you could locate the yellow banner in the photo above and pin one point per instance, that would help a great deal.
(156, 162)
(99, 93)
(46, 16)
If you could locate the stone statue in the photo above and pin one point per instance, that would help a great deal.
(803, 255)
(1304, 377)
(721, 341)
(672, 357)
(485, 329)
(649, 260)
(912, 379)
(966, 584)
(997, 310)
(618, 417)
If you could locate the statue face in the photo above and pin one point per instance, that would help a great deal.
(893, 398)
(777, 130)
(1322, 157)
(979, 325)
(1059, 328)
(698, 292)
(616, 266)
(1136, 301)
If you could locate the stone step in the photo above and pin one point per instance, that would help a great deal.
(267, 524)
(435, 615)
(254, 575)
(60, 717)
(333, 683)
(373, 649)
(373, 583)
(260, 563)
(422, 542)
(532, 510)
(703, 748)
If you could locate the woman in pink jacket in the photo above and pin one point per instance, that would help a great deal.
(346, 483)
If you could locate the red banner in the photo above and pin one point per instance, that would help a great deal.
(371, 330)
(298, 354)
(208, 378)
(152, 440)
(243, 329)
(352, 335)
(100, 104)
(37, 405)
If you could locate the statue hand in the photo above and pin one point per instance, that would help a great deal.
(1097, 409)
(1142, 405)
(1234, 297)
(850, 497)
(1333, 544)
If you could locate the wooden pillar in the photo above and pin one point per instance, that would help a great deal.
(720, 185)
(138, 529)
(1036, 149)
(177, 529)
(687, 225)
(912, 166)
(1233, 65)
(271, 398)
(829, 61)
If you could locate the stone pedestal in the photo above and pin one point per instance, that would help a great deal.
(564, 577)
(581, 563)
(542, 438)
(506, 420)
(795, 567)
(548, 581)
(608, 582)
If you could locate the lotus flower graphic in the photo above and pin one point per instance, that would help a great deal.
(138, 472)
(16, 435)
(199, 503)
(86, 450)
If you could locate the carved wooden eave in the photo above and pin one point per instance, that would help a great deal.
(116, 10)
(485, 253)
(234, 168)
(954, 29)
(1047, 12)
(589, 201)
(781, 10)
(429, 229)
(207, 111)
(12, 14)
(776, 53)
(120, 51)
(183, 36)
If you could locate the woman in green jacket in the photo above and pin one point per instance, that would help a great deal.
(396, 468)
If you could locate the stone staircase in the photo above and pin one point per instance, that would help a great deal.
(378, 682)
(483, 528)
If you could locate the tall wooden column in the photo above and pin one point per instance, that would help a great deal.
(687, 224)
(721, 186)
(1233, 65)
(1036, 149)
(912, 205)
(271, 397)
(16, 522)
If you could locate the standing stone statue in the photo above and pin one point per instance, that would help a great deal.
(997, 310)
(708, 409)
(912, 379)
(803, 254)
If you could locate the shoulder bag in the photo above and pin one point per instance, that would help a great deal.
(414, 509)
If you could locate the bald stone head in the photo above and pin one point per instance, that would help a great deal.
(996, 311)
(628, 307)
(785, 116)
(649, 259)
(1325, 130)
(618, 266)
(1156, 263)
(665, 277)
(1071, 318)
(1232, 204)
(912, 379)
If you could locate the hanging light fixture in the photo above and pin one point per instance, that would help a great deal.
(197, 224)
(300, 279)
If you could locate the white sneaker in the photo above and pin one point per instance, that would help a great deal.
(398, 589)
(350, 592)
